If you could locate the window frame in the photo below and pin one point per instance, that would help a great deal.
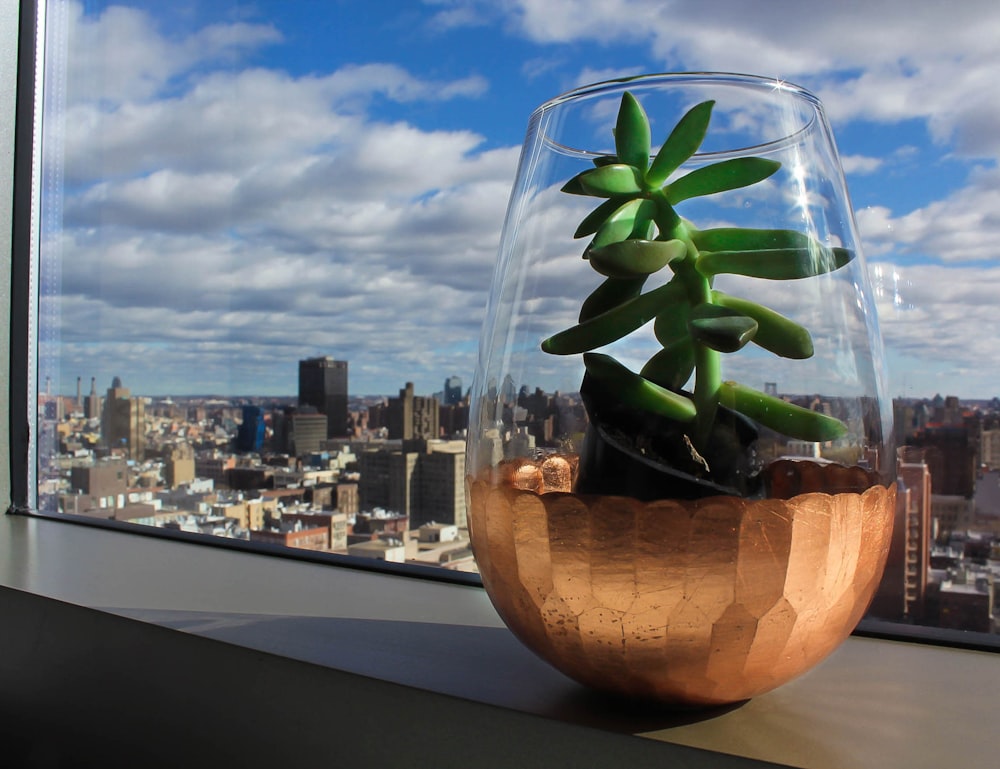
(22, 382)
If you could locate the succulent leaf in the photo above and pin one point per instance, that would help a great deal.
(623, 223)
(606, 181)
(632, 133)
(740, 239)
(721, 328)
(720, 177)
(672, 366)
(635, 258)
(611, 293)
(775, 263)
(671, 323)
(682, 143)
(638, 391)
(592, 222)
(786, 418)
(611, 325)
(775, 332)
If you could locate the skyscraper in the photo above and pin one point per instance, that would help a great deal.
(452, 390)
(413, 416)
(323, 385)
(124, 421)
(250, 435)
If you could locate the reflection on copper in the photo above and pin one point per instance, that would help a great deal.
(695, 602)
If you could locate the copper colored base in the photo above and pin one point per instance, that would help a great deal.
(696, 603)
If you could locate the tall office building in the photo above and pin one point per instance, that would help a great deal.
(323, 385)
(902, 595)
(424, 481)
(250, 435)
(123, 423)
(452, 391)
(413, 416)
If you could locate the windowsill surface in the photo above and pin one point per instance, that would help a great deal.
(872, 703)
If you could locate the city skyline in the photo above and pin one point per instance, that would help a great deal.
(241, 186)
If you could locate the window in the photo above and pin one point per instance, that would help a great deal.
(264, 234)
(56, 655)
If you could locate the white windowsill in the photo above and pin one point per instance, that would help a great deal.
(442, 648)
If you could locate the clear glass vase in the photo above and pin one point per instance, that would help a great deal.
(679, 480)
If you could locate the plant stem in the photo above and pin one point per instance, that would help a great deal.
(698, 287)
(707, 383)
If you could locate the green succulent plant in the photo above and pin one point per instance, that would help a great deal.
(636, 232)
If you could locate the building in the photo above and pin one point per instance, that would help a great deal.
(454, 420)
(346, 498)
(452, 391)
(250, 435)
(323, 385)
(950, 453)
(413, 416)
(124, 422)
(295, 535)
(902, 595)
(248, 513)
(387, 479)
(424, 480)
(950, 511)
(989, 448)
(92, 404)
(178, 465)
(441, 486)
(336, 524)
(308, 432)
(101, 486)
(215, 467)
(391, 550)
(965, 601)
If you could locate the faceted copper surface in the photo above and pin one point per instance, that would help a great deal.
(696, 603)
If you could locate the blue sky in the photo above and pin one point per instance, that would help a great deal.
(249, 183)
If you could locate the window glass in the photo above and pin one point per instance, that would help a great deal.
(268, 230)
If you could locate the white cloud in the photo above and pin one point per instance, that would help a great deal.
(144, 60)
(860, 164)
(961, 227)
(220, 217)
(886, 60)
(225, 218)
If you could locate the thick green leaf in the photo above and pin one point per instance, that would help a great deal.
(671, 322)
(775, 332)
(720, 177)
(632, 133)
(620, 224)
(635, 258)
(613, 324)
(592, 222)
(775, 263)
(606, 181)
(739, 239)
(682, 143)
(672, 366)
(637, 391)
(786, 418)
(611, 293)
(605, 160)
(721, 328)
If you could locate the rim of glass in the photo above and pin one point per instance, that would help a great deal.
(759, 82)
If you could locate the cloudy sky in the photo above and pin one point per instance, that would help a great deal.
(244, 184)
